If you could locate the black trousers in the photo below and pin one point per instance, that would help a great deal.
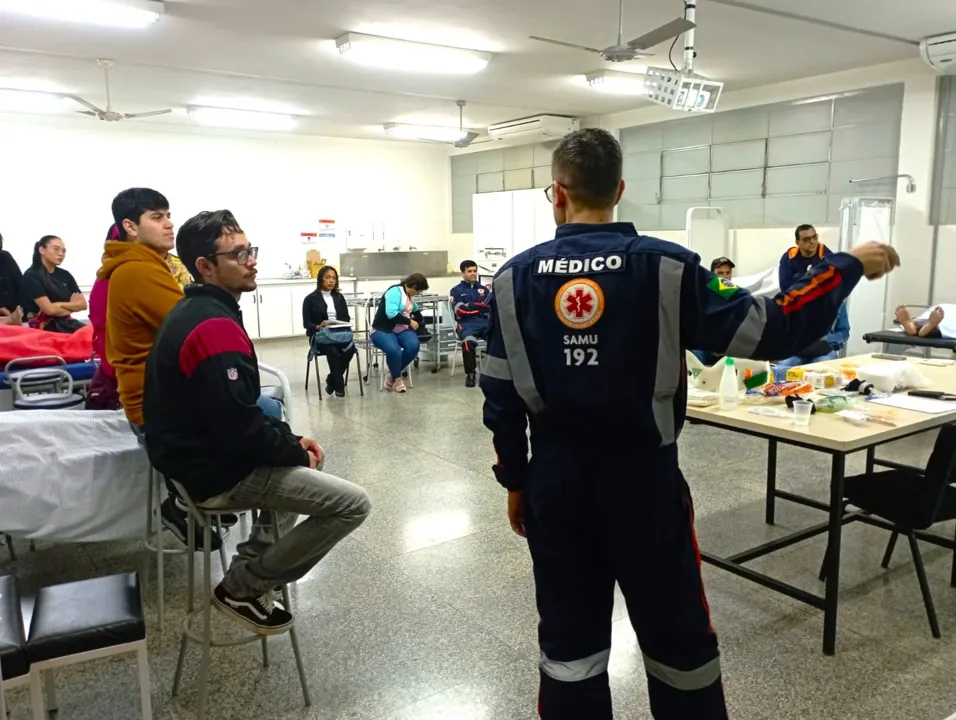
(338, 358)
(630, 521)
(469, 358)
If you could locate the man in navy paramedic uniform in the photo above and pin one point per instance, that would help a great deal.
(586, 340)
(469, 298)
(802, 257)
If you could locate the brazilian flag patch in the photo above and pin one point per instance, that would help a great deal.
(722, 287)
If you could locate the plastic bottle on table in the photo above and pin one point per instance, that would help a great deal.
(728, 386)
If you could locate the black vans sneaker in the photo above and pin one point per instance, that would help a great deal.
(175, 520)
(261, 614)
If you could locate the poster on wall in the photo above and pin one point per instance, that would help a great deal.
(327, 230)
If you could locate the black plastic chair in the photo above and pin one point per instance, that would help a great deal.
(912, 500)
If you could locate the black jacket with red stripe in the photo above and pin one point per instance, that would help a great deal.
(203, 427)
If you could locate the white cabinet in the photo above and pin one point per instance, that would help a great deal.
(249, 305)
(275, 311)
(512, 221)
(299, 294)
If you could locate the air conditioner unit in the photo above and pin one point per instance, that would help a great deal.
(939, 52)
(539, 128)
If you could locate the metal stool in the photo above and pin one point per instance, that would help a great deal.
(153, 541)
(205, 518)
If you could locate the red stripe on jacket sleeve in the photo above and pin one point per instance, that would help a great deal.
(209, 338)
(818, 291)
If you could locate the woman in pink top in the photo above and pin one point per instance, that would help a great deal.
(103, 394)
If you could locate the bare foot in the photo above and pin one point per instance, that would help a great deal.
(904, 318)
(935, 318)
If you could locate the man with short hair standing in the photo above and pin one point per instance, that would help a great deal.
(205, 429)
(469, 299)
(807, 254)
(586, 341)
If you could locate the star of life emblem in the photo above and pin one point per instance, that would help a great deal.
(579, 303)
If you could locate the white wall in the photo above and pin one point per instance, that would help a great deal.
(755, 250)
(59, 177)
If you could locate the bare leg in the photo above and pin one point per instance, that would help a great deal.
(904, 318)
(935, 318)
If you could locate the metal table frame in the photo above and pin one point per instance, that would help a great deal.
(838, 517)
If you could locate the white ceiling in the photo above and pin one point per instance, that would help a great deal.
(281, 51)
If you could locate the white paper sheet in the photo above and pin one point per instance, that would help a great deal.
(918, 404)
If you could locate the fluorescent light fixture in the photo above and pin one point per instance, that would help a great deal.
(29, 101)
(433, 133)
(242, 119)
(616, 83)
(392, 54)
(114, 13)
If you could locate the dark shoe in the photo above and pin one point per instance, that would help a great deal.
(470, 380)
(175, 520)
(261, 614)
(328, 389)
(339, 393)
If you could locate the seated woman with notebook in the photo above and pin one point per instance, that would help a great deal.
(325, 316)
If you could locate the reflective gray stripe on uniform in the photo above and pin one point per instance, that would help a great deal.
(575, 670)
(696, 679)
(514, 343)
(750, 331)
(495, 367)
(459, 306)
(669, 354)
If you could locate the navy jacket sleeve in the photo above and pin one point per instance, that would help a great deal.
(783, 273)
(505, 413)
(227, 379)
(720, 317)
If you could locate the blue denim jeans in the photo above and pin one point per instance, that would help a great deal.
(399, 348)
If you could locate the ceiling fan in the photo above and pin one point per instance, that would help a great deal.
(110, 115)
(623, 52)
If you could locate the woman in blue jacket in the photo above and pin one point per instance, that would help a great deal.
(394, 328)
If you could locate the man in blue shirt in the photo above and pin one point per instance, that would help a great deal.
(586, 342)
(469, 298)
(799, 260)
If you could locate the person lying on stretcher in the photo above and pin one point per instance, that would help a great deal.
(926, 325)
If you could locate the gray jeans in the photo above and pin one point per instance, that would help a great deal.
(334, 508)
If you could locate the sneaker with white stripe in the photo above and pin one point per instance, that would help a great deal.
(261, 614)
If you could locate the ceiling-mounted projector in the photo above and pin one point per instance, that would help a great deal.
(939, 52)
(681, 90)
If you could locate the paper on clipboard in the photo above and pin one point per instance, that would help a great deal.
(338, 323)
(917, 404)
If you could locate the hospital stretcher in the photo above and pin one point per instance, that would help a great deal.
(46, 381)
(896, 336)
(81, 476)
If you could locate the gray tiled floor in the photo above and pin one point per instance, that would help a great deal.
(427, 612)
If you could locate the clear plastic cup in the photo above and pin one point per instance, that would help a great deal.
(801, 412)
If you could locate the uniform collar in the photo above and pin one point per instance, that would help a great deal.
(213, 292)
(614, 228)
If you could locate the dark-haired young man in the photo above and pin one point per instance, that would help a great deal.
(141, 292)
(603, 498)
(204, 428)
(807, 254)
(469, 299)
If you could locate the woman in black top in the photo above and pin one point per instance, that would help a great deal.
(327, 304)
(10, 278)
(50, 293)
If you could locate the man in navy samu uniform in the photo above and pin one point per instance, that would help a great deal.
(586, 340)
(469, 298)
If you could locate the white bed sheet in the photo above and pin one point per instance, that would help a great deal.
(71, 476)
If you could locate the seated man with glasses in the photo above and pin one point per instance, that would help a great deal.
(798, 261)
(205, 429)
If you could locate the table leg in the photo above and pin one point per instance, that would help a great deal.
(870, 458)
(771, 481)
(831, 597)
